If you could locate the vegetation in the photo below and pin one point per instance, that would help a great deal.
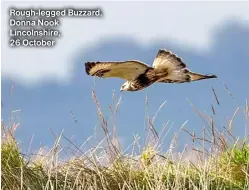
(220, 162)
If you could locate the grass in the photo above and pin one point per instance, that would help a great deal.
(219, 162)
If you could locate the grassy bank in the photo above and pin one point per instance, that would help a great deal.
(222, 164)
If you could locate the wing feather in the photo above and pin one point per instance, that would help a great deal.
(185, 76)
(166, 60)
(175, 68)
(128, 70)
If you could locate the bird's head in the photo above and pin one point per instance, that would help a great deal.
(127, 86)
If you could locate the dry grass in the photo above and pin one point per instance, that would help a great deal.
(218, 161)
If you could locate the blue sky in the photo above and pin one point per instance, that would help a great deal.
(47, 90)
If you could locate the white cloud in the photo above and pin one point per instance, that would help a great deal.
(189, 24)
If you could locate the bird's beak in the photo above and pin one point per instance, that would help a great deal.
(121, 90)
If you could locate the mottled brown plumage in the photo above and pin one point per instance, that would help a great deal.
(166, 68)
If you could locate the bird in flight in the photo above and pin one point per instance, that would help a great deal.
(166, 68)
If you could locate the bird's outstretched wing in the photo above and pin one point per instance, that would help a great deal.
(187, 76)
(128, 70)
(175, 69)
(166, 60)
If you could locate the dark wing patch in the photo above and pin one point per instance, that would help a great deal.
(101, 72)
(143, 79)
(88, 66)
(128, 70)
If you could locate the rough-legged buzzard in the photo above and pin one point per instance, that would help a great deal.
(166, 68)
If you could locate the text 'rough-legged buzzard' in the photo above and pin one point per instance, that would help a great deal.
(166, 68)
